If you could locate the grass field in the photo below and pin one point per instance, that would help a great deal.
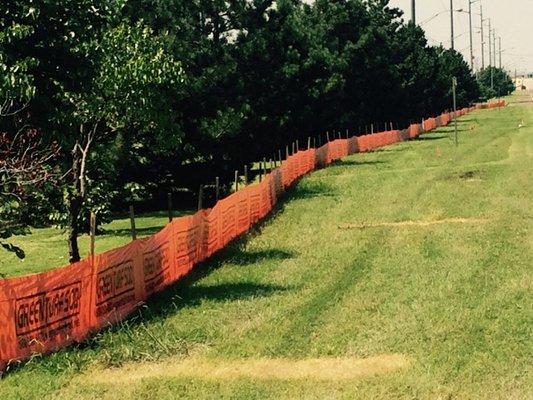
(399, 274)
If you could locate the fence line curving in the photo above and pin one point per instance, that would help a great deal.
(46, 311)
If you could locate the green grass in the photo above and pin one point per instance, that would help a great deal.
(351, 264)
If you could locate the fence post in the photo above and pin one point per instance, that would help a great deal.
(217, 188)
(286, 151)
(314, 142)
(92, 232)
(272, 167)
(200, 197)
(132, 222)
(236, 180)
(372, 128)
(169, 206)
(308, 142)
(297, 146)
(264, 167)
(279, 155)
(327, 135)
(245, 175)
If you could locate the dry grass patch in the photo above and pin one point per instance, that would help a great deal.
(319, 369)
(364, 225)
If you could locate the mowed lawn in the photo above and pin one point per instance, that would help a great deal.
(400, 274)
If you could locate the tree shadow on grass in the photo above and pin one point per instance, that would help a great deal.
(392, 149)
(425, 137)
(347, 163)
(309, 190)
(244, 258)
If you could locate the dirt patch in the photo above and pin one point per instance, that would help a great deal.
(327, 369)
(468, 176)
(363, 225)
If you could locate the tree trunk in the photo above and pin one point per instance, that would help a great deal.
(74, 207)
(77, 197)
(75, 200)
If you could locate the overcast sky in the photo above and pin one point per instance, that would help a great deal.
(513, 20)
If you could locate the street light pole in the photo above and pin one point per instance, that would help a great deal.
(454, 88)
(413, 12)
(451, 22)
(471, 38)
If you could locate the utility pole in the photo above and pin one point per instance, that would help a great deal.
(494, 46)
(451, 21)
(493, 65)
(500, 50)
(482, 40)
(471, 38)
(413, 12)
(490, 46)
(454, 87)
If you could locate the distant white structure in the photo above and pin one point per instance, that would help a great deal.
(523, 83)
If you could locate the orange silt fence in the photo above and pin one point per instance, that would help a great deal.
(43, 312)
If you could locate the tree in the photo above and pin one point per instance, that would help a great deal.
(130, 71)
(495, 82)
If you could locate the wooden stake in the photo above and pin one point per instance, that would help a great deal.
(297, 146)
(279, 154)
(286, 151)
(293, 146)
(327, 135)
(217, 188)
(308, 142)
(169, 206)
(371, 128)
(264, 166)
(200, 197)
(245, 175)
(236, 180)
(92, 232)
(132, 222)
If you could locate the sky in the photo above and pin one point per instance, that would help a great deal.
(513, 20)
